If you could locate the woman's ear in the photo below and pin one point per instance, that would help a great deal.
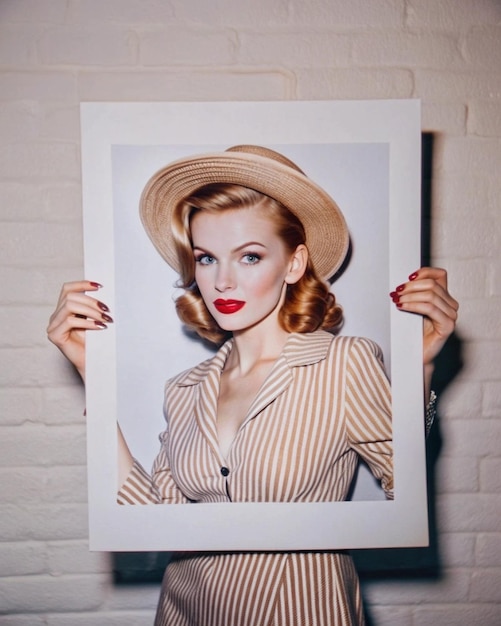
(297, 266)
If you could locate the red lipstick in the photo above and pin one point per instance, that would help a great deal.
(228, 306)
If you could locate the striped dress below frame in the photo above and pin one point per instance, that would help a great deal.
(325, 404)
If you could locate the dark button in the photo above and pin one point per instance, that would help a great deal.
(225, 471)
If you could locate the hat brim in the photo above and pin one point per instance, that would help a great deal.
(327, 237)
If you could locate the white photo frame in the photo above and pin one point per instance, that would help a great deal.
(366, 154)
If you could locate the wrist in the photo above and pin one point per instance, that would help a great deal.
(431, 412)
(428, 370)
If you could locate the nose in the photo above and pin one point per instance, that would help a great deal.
(224, 278)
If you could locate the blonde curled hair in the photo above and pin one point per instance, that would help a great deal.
(308, 305)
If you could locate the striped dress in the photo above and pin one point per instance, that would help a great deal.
(325, 403)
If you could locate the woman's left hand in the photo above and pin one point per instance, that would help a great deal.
(425, 293)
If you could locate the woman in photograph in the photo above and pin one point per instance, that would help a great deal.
(286, 407)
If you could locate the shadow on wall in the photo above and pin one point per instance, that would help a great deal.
(419, 563)
(380, 564)
(130, 568)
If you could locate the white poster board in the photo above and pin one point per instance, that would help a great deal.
(367, 156)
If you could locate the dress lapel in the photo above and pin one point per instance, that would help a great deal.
(206, 380)
(275, 384)
(300, 349)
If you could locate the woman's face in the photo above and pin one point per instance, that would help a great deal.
(242, 266)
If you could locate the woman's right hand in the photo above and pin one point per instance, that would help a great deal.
(75, 314)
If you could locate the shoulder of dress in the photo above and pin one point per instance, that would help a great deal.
(307, 348)
(364, 344)
(310, 348)
(345, 345)
(363, 354)
(194, 375)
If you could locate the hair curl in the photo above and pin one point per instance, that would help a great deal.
(308, 305)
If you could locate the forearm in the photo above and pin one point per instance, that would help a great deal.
(428, 373)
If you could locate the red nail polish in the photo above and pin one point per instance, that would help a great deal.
(95, 285)
(107, 318)
(400, 288)
(394, 296)
(413, 276)
(103, 307)
(100, 324)
(399, 305)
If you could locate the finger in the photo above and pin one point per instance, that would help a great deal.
(437, 274)
(426, 289)
(425, 298)
(431, 282)
(60, 331)
(86, 306)
(84, 323)
(441, 317)
(78, 304)
(61, 326)
(78, 286)
(421, 280)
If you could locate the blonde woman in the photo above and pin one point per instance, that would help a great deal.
(285, 408)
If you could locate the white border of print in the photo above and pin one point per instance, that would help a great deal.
(349, 147)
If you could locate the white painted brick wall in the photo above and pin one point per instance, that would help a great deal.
(56, 53)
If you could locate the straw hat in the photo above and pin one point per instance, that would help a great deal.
(257, 168)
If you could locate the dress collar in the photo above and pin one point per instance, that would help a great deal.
(300, 349)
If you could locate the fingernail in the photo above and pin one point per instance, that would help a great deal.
(399, 305)
(102, 306)
(394, 296)
(107, 318)
(400, 288)
(95, 285)
(100, 324)
(413, 276)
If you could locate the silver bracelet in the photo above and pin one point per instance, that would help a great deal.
(431, 412)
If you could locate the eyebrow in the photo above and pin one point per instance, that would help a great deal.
(237, 249)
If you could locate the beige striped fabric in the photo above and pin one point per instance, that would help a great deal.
(261, 589)
(325, 404)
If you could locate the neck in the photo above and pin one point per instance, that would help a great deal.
(252, 349)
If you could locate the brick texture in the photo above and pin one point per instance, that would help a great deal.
(56, 53)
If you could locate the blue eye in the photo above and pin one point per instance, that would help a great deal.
(205, 259)
(251, 258)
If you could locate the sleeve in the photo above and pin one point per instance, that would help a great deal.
(368, 411)
(157, 488)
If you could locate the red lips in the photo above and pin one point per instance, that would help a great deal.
(228, 306)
